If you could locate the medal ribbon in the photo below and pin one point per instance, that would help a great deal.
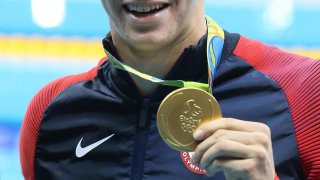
(215, 41)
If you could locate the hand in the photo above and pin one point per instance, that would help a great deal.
(241, 149)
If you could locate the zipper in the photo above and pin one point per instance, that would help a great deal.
(140, 142)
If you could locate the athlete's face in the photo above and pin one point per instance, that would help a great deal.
(150, 24)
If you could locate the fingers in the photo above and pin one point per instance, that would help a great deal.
(240, 169)
(224, 149)
(241, 138)
(233, 169)
(235, 159)
(241, 149)
(229, 124)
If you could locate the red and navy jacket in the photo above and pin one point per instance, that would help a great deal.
(253, 82)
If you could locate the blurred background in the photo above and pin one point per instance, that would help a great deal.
(41, 40)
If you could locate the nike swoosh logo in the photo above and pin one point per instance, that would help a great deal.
(80, 151)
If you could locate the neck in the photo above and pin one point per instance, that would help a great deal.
(157, 62)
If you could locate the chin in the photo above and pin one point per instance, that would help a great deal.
(150, 42)
(149, 46)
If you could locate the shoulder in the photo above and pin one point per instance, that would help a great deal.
(283, 67)
(267, 58)
(34, 113)
(299, 78)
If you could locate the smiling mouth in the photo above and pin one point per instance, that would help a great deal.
(144, 9)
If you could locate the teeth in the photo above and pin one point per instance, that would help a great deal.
(144, 8)
(152, 7)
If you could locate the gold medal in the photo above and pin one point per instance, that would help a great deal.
(181, 113)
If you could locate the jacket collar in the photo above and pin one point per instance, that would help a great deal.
(191, 66)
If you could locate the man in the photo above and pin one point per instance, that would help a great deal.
(101, 124)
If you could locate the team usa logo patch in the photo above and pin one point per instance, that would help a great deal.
(186, 159)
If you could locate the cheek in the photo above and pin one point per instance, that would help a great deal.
(182, 17)
(111, 8)
(185, 12)
(115, 16)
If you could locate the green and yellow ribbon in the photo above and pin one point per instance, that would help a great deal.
(215, 42)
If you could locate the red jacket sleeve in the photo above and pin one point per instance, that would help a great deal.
(32, 120)
(299, 78)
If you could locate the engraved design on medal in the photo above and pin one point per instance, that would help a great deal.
(191, 116)
(181, 113)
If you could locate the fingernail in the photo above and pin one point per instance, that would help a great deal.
(198, 134)
(193, 159)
